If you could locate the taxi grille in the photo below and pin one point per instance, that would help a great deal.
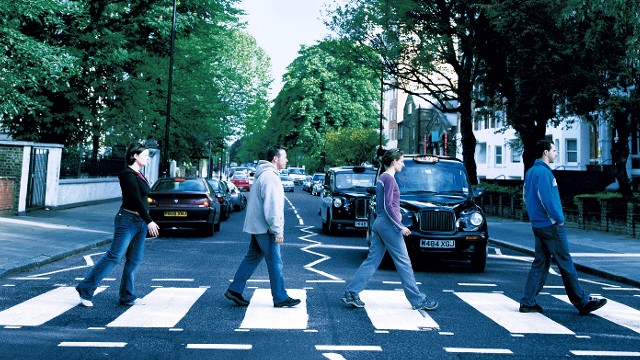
(432, 220)
(361, 206)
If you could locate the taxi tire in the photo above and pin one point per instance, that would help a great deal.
(479, 260)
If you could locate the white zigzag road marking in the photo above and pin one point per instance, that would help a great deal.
(323, 257)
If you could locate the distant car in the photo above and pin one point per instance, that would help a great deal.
(297, 175)
(287, 183)
(241, 180)
(439, 206)
(185, 203)
(238, 200)
(345, 200)
(224, 197)
(317, 184)
(307, 184)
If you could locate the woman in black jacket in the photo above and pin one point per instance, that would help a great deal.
(132, 222)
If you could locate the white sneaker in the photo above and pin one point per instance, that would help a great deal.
(86, 303)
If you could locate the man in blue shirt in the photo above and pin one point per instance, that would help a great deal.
(547, 221)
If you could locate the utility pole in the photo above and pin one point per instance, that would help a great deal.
(165, 154)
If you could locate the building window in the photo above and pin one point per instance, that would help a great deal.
(481, 154)
(572, 150)
(516, 155)
(498, 155)
(400, 132)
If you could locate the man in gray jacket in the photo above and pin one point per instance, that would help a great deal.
(265, 223)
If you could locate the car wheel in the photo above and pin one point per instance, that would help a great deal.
(208, 230)
(479, 260)
(331, 227)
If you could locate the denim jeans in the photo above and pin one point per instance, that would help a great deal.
(128, 239)
(552, 240)
(387, 236)
(262, 246)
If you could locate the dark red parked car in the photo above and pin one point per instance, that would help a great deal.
(241, 180)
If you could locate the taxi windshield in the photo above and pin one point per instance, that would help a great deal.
(440, 178)
(353, 180)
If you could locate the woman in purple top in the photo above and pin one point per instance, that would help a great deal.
(387, 234)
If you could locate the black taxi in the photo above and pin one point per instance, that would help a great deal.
(439, 207)
(345, 201)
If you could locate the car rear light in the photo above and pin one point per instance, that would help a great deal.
(220, 200)
(203, 202)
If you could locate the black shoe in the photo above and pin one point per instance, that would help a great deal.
(530, 309)
(132, 302)
(593, 305)
(236, 298)
(287, 303)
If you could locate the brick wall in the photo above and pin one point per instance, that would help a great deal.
(10, 174)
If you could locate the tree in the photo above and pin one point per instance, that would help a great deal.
(426, 48)
(351, 146)
(322, 91)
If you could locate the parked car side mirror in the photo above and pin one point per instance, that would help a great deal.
(371, 190)
(477, 192)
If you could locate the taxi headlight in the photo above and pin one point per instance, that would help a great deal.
(337, 202)
(476, 219)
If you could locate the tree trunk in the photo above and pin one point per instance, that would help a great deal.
(468, 138)
(620, 151)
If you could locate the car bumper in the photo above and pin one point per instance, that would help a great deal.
(465, 244)
(356, 224)
(194, 218)
(288, 188)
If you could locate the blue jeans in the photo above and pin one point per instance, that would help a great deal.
(387, 236)
(552, 240)
(128, 239)
(262, 246)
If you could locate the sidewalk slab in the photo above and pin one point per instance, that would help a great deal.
(611, 256)
(45, 236)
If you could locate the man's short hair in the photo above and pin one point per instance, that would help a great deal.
(272, 151)
(541, 147)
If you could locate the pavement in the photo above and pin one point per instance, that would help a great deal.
(44, 236)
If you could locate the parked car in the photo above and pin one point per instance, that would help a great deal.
(287, 183)
(297, 175)
(345, 201)
(439, 207)
(318, 184)
(224, 197)
(184, 203)
(307, 184)
(241, 180)
(238, 199)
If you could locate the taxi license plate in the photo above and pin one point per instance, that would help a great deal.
(438, 244)
(175, 213)
(361, 224)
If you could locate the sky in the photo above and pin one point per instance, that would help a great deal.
(281, 26)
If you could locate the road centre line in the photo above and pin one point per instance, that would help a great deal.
(604, 353)
(348, 348)
(478, 350)
(322, 258)
(102, 344)
(169, 279)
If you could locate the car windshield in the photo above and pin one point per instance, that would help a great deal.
(353, 180)
(285, 178)
(179, 185)
(318, 177)
(441, 178)
(296, 171)
(239, 176)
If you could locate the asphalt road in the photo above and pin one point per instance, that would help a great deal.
(184, 276)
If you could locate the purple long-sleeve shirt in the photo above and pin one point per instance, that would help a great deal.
(388, 199)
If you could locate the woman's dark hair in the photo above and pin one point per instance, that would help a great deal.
(134, 148)
(273, 151)
(389, 156)
(542, 146)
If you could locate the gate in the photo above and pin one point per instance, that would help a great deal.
(37, 178)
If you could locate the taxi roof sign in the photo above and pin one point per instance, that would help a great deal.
(426, 159)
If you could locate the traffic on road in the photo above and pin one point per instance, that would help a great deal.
(184, 314)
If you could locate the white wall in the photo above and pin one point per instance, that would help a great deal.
(75, 191)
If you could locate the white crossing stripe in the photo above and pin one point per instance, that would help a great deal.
(262, 315)
(504, 312)
(390, 310)
(42, 308)
(615, 312)
(162, 308)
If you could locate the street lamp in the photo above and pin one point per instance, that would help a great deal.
(165, 160)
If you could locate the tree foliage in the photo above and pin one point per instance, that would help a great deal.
(322, 90)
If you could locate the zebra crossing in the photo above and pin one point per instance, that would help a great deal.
(165, 307)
